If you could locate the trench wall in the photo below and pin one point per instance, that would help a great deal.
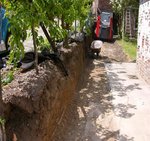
(37, 103)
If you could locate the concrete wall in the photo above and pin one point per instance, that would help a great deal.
(143, 55)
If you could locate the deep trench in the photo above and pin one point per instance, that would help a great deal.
(66, 120)
(93, 90)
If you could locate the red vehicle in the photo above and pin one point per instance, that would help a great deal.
(104, 26)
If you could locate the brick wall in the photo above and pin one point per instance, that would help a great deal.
(105, 5)
(102, 4)
(143, 53)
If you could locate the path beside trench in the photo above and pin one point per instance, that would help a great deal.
(112, 103)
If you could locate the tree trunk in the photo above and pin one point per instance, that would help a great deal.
(1, 102)
(75, 28)
(51, 42)
(35, 48)
(62, 22)
(66, 38)
(63, 25)
(123, 24)
(58, 21)
(119, 26)
(2, 125)
(2, 132)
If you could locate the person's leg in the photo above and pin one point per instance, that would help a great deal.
(0, 29)
(2, 13)
(1, 17)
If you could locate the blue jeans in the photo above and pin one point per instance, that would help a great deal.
(2, 13)
(0, 26)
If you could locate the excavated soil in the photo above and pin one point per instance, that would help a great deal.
(91, 100)
(37, 103)
(52, 112)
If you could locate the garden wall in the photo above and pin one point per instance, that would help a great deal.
(143, 55)
(38, 102)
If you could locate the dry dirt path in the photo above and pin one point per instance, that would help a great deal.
(99, 112)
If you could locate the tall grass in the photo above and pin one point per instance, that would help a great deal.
(129, 47)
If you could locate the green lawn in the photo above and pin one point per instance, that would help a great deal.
(129, 47)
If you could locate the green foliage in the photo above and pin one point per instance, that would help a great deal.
(130, 47)
(44, 45)
(23, 14)
(8, 78)
(120, 5)
(88, 24)
(2, 121)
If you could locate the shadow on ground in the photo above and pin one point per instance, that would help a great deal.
(93, 102)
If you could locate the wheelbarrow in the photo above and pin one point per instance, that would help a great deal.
(96, 46)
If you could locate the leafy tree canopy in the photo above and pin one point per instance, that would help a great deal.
(25, 14)
(119, 5)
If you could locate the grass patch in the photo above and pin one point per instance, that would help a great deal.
(130, 48)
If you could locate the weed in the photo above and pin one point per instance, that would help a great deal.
(2, 121)
(8, 78)
(130, 47)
